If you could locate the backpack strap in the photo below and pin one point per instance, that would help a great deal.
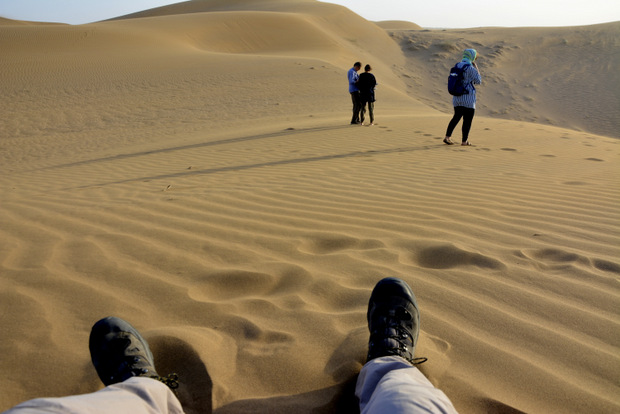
(465, 67)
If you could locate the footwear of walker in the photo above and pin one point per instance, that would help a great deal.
(466, 143)
(119, 352)
(393, 321)
(448, 141)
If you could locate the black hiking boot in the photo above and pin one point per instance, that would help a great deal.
(393, 321)
(119, 352)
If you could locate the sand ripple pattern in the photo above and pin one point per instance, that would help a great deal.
(254, 255)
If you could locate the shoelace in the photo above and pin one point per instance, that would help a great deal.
(132, 365)
(136, 365)
(171, 380)
(128, 368)
(392, 329)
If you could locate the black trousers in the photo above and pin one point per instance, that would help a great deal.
(357, 107)
(468, 116)
(371, 111)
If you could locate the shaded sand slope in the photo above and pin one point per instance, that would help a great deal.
(560, 76)
(204, 184)
(358, 39)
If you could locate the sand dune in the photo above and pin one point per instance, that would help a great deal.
(398, 25)
(557, 76)
(191, 169)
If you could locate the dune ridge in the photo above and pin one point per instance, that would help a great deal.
(541, 75)
(192, 171)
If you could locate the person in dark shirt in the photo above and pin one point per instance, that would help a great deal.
(366, 84)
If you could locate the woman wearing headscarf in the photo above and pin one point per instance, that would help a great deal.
(465, 105)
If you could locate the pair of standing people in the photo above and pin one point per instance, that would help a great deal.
(362, 90)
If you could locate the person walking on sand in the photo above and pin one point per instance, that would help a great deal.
(465, 105)
(355, 92)
(366, 84)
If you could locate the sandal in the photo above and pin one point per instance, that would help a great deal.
(448, 141)
(466, 143)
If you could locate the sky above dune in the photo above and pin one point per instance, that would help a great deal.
(436, 13)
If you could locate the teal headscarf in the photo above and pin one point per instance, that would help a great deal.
(469, 55)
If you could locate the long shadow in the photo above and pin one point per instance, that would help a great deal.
(263, 164)
(200, 145)
(175, 355)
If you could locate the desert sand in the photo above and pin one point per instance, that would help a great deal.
(192, 170)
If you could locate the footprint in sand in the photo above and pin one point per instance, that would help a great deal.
(326, 244)
(437, 344)
(240, 284)
(449, 256)
(260, 342)
(606, 266)
(555, 255)
(436, 350)
(232, 284)
(575, 183)
(562, 257)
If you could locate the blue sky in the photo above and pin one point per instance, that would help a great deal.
(426, 13)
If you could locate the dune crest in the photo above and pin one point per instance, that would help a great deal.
(398, 25)
(556, 76)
